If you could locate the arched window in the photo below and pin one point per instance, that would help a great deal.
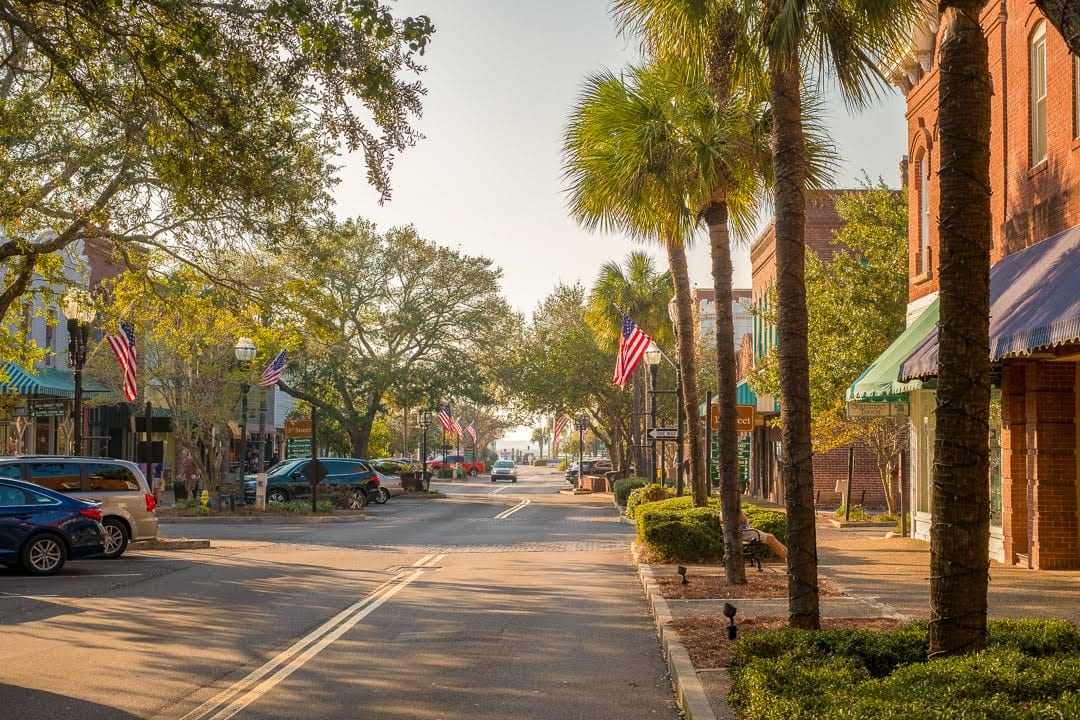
(1037, 70)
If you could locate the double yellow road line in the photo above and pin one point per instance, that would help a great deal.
(238, 696)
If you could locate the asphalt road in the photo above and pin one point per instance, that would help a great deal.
(505, 601)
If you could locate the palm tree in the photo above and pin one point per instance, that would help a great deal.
(643, 293)
(627, 172)
(960, 534)
(763, 46)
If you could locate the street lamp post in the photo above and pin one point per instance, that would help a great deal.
(245, 353)
(652, 360)
(79, 311)
(425, 422)
(582, 423)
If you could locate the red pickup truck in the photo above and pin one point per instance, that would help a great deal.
(469, 467)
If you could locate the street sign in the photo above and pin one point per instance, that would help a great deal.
(48, 409)
(744, 417)
(297, 428)
(877, 409)
(296, 448)
(744, 461)
(314, 471)
(663, 433)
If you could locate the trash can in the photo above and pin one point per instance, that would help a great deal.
(179, 490)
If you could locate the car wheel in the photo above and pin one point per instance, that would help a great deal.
(43, 555)
(382, 496)
(116, 538)
(513, 479)
(358, 500)
(277, 495)
(474, 472)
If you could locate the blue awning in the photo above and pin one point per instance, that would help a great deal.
(744, 395)
(1034, 304)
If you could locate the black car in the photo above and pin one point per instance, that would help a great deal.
(41, 529)
(589, 467)
(286, 481)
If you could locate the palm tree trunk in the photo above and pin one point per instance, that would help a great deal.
(680, 276)
(960, 501)
(796, 451)
(716, 217)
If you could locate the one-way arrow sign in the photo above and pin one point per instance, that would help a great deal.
(664, 433)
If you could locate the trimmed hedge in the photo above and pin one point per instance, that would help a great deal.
(650, 493)
(540, 462)
(622, 488)
(674, 530)
(1031, 669)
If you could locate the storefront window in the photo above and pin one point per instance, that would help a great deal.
(995, 458)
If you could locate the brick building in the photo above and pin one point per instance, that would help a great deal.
(1035, 273)
(830, 468)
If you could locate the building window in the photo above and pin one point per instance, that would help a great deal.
(1038, 93)
(922, 168)
(1076, 96)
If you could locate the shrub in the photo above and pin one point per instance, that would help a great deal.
(649, 493)
(857, 512)
(445, 472)
(300, 507)
(191, 507)
(770, 521)
(623, 487)
(682, 535)
(540, 462)
(562, 466)
(1030, 670)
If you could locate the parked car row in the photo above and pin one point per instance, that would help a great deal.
(588, 467)
(359, 479)
(56, 508)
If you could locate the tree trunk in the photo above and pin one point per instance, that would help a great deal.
(716, 217)
(360, 435)
(796, 450)
(680, 277)
(960, 499)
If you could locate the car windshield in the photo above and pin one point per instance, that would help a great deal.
(504, 464)
(284, 467)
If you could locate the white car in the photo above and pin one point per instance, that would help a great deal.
(505, 469)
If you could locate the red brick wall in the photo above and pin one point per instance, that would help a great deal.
(830, 472)
(1014, 488)
(1028, 203)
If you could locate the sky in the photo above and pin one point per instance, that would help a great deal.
(502, 77)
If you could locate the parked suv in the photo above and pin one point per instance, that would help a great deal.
(589, 467)
(127, 505)
(286, 481)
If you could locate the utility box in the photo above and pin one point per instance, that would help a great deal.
(260, 491)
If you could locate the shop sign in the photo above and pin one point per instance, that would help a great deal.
(48, 409)
(878, 409)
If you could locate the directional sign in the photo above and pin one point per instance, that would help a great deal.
(314, 471)
(744, 417)
(296, 448)
(664, 433)
(298, 428)
(48, 409)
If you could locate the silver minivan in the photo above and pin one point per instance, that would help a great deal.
(127, 505)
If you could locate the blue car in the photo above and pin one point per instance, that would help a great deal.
(41, 529)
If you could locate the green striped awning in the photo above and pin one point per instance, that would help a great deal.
(881, 380)
(45, 381)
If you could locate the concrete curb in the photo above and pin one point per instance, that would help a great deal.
(168, 544)
(689, 692)
(280, 520)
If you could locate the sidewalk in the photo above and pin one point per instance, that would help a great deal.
(880, 578)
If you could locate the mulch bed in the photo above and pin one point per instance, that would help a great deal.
(706, 640)
(714, 586)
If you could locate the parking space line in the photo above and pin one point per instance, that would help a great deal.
(253, 686)
(496, 491)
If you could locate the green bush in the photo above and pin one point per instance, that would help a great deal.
(562, 466)
(857, 512)
(540, 462)
(689, 535)
(445, 472)
(1030, 670)
(623, 487)
(300, 507)
(191, 507)
(650, 493)
(770, 521)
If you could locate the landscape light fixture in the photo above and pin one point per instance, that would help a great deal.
(245, 352)
(729, 613)
(682, 571)
(652, 360)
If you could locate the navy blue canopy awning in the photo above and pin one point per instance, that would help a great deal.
(1034, 304)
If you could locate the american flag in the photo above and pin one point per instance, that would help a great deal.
(124, 347)
(272, 372)
(457, 427)
(446, 419)
(632, 346)
(557, 433)
(472, 431)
